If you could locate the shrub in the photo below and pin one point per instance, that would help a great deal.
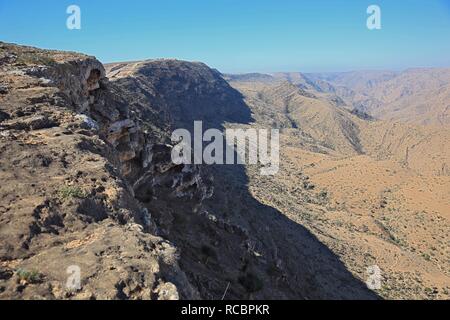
(426, 256)
(67, 192)
(28, 276)
(34, 58)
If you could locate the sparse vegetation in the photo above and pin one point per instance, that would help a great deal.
(323, 195)
(33, 58)
(28, 276)
(68, 192)
(426, 256)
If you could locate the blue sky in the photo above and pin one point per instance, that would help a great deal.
(241, 35)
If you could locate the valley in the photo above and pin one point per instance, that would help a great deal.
(374, 191)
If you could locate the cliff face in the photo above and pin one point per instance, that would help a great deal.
(226, 239)
(86, 154)
(92, 182)
(180, 92)
(71, 150)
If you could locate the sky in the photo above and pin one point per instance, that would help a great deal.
(238, 36)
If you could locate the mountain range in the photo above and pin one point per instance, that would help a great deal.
(364, 181)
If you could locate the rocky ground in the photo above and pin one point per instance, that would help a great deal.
(65, 197)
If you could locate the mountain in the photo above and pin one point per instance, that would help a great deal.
(416, 96)
(238, 236)
(250, 77)
(86, 152)
(375, 192)
(93, 192)
(188, 90)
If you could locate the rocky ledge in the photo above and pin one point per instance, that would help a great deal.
(72, 150)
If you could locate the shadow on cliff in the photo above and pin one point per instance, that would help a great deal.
(233, 246)
(304, 268)
(288, 258)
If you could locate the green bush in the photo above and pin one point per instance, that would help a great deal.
(67, 192)
(28, 276)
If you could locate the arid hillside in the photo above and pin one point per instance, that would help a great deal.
(231, 235)
(90, 184)
(417, 96)
(375, 192)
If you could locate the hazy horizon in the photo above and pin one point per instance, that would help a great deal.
(289, 71)
(241, 37)
(399, 69)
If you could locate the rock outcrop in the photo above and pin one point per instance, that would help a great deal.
(71, 151)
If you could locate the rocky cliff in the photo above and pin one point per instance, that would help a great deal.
(88, 182)
(72, 148)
